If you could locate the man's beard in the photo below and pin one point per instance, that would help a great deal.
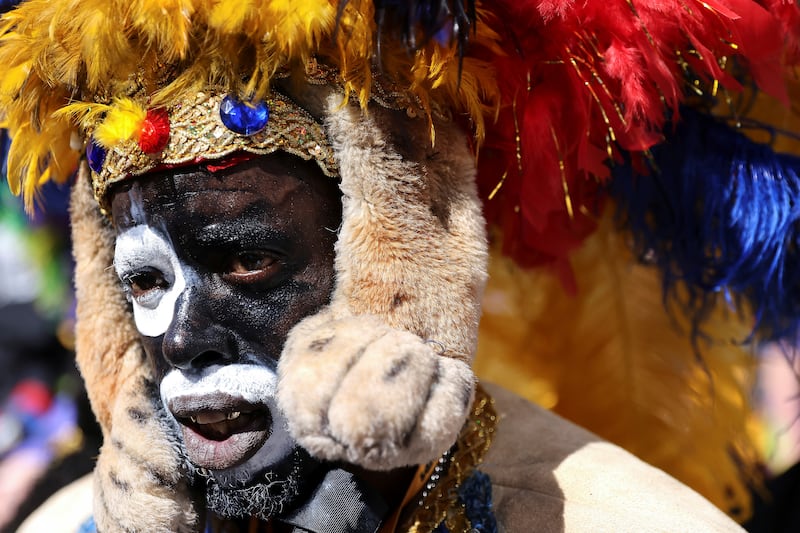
(269, 494)
(265, 494)
(268, 483)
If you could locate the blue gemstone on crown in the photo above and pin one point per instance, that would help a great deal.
(244, 118)
(96, 155)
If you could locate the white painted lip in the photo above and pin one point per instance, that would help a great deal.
(255, 384)
(229, 388)
(196, 414)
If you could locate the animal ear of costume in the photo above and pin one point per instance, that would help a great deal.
(403, 319)
(140, 484)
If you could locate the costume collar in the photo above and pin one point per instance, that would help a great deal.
(441, 501)
(442, 496)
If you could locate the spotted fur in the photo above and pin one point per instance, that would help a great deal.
(410, 263)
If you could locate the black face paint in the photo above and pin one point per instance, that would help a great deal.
(244, 254)
(257, 239)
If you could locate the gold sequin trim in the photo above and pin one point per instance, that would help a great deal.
(440, 502)
(197, 134)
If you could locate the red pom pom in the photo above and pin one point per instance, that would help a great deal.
(155, 131)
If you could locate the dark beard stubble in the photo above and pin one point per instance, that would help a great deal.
(275, 491)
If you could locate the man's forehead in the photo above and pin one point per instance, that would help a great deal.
(263, 183)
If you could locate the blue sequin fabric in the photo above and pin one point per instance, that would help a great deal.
(475, 494)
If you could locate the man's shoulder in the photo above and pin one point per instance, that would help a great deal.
(547, 475)
(551, 475)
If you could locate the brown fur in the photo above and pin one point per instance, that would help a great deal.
(375, 396)
(379, 378)
(410, 263)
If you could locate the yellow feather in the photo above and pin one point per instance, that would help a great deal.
(105, 49)
(229, 16)
(13, 78)
(355, 46)
(15, 166)
(613, 360)
(30, 185)
(122, 122)
(165, 24)
(87, 114)
(477, 93)
(63, 159)
(36, 157)
(298, 25)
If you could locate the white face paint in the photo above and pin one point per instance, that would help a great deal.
(141, 249)
(255, 384)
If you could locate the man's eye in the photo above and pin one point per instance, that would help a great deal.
(251, 266)
(144, 281)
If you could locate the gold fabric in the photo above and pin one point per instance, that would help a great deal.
(198, 134)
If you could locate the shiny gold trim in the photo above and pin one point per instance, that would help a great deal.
(440, 503)
(197, 134)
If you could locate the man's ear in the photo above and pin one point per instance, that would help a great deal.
(411, 267)
(139, 480)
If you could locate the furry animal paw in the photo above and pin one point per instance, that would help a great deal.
(356, 390)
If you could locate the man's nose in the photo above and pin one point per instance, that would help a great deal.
(195, 339)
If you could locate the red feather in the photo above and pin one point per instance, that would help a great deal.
(788, 14)
(580, 81)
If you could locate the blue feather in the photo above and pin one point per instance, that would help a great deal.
(416, 22)
(421, 20)
(718, 213)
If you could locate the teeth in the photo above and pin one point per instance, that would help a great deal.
(211, 417)
(214, 417)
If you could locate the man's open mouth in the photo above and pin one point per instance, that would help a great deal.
(220, 431)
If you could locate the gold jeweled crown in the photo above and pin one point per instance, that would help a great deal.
(212, 126)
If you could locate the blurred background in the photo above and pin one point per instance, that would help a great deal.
(48, 436)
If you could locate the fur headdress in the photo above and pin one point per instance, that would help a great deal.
(396, 100)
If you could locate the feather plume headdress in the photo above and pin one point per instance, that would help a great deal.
(112, 69)
(556, 95)
(554, 99)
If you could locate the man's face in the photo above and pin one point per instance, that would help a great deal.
(219, 267)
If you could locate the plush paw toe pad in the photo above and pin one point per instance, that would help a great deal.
(357, 390)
